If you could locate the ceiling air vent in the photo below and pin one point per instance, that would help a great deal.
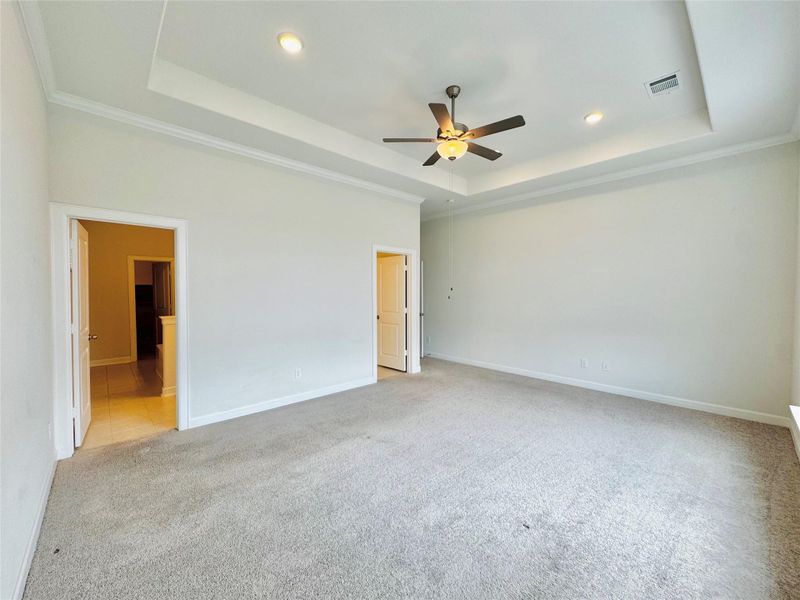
(663, 85)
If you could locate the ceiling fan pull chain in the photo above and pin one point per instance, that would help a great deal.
(451, 203)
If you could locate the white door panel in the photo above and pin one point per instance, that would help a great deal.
(81, 396)
(392, 312)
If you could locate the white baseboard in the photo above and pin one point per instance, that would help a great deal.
(116, 360)
(27, 559)
(719, 409)
(794, 427)
(276, 402)
(168, 391)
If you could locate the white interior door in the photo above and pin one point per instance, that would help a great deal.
(81, 396)
(392, 312)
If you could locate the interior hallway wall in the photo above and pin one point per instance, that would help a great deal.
(110, 244)
(280, 262)
(27, 456)
(681, 282)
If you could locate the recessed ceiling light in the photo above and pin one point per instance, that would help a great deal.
(593, 117)
(290, 42)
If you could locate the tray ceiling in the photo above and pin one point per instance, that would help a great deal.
(369, 69)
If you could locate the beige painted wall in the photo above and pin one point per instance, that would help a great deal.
(110, 244)
(143, 272)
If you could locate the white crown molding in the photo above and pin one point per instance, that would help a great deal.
(785, 138)
(190, 135)
(34, 27)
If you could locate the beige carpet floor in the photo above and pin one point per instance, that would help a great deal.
(456, 483)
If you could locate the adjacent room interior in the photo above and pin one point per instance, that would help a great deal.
(399, 299)
(125, 306)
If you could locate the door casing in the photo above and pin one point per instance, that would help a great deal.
(60, 216)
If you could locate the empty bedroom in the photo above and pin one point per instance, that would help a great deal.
(399, 300)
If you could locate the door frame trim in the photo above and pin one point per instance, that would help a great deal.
(132, 259)
(60, 216)
(412, 320)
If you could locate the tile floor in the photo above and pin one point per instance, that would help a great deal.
(127, 404)
(384, 373)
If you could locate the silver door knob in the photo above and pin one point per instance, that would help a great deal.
(92, 337)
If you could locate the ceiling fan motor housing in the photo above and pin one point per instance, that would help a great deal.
(459, 127)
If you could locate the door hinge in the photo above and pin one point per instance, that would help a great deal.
(74, 412)
(405, 311)
(405, 352)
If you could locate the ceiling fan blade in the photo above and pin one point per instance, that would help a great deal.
(504, 125)
(483, 151)
(433, 158)
(442, 116)
(409, 140)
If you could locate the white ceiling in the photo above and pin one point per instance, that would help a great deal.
(372, 68)
(369, 69)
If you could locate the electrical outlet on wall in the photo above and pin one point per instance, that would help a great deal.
(298, 373)
(427, 339)
(584, 363)
(604, 366)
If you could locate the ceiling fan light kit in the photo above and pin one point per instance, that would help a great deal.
(452, 149)
(454, 139)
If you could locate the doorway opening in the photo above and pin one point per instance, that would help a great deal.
(122, 371)
(123, 309)
(151, 296)
(395, 319)
(392, 314)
